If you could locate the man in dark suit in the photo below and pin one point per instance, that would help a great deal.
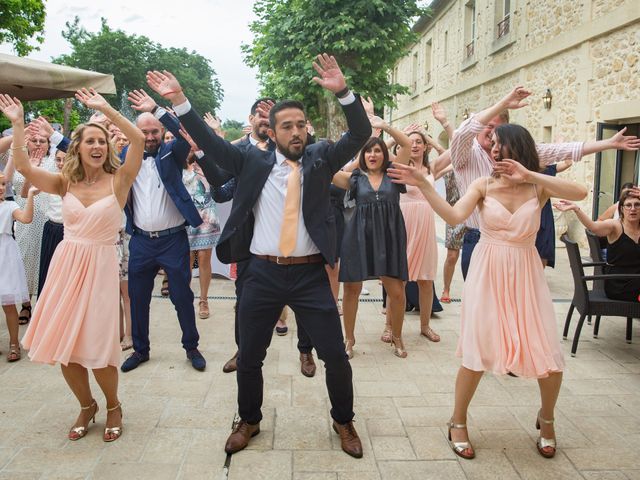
(283, 223)
(158, 210)
(259, 138)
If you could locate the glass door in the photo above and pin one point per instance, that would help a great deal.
(607, 175)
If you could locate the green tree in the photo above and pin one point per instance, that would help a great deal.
(20, 22)
(128, 58)
(367, 37)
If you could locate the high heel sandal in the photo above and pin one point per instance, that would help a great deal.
(348, 347)
(459, 448)
(430, 334)
(546, 446)
(14, 353)
(398, 347)
(386, 334)
(24, 319)
(203, 307)
(76, 433)
(115, 431)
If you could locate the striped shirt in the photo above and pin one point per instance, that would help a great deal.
(470, 161)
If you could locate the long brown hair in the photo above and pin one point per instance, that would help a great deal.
(518, 144)
(72, 169)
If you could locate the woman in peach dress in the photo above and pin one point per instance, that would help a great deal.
(75, 322)
(419, 220)
(508, 324)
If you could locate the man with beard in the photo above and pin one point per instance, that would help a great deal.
(215, 176)
(158, 210)
(283, 224)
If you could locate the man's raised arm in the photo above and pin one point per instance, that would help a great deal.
(215, 148)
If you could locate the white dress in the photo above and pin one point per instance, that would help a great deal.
(29, 236)
(13, 284)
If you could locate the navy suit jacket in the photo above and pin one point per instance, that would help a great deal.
(170, 160)
(252, 166)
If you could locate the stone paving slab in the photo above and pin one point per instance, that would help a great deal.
(176, 419)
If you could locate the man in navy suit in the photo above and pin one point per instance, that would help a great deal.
(277, 276)
(158, 210)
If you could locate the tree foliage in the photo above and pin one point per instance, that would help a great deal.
(20, 22)
(128, 58)
(367, 37)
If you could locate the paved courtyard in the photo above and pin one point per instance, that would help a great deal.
(176, 419)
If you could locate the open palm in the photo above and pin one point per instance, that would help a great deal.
(11, 107)
(331, 76)
(91, 99)
(163, 83)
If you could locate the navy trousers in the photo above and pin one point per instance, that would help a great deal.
(146, 257)
(267, 288)
(469, 242)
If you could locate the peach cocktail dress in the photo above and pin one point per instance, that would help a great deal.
(420, 223)
(508, 323)
(76, 318)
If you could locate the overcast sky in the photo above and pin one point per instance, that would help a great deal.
(213, 28)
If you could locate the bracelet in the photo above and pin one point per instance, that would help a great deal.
(342, 93)
(23, 147)
(154, 109)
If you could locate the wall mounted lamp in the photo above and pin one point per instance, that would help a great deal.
(546, 99)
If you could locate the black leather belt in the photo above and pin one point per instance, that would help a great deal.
(159, 233)
(316, 258)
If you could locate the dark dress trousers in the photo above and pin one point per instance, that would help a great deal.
(268, 287)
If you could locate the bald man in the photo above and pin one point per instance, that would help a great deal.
(158, 210)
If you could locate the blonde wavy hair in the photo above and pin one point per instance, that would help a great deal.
(72, 169)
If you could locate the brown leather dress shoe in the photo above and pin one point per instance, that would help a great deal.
(307, 365)
(240, 436)
(349, 439)
(231, 365)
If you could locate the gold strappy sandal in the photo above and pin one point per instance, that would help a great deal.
(546, 446)
(462, 449)
(111, 434)
(76, 433)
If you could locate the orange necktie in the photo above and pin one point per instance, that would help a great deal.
(289, 230)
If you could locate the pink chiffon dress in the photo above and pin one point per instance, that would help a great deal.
(76, 318)
(508, 323)
(420, 223)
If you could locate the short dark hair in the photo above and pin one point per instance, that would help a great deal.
(283, 105)
(623, 198)
(257, 102)
(518, 144)
(372, 142)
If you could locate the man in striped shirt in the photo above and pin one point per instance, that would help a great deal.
(471, 154)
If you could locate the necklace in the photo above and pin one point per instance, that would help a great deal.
(89, 182)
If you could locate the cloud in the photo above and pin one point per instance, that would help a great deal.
(133, 18)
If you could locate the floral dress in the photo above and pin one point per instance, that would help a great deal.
(206, 235)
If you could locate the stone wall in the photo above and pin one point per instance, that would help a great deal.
(552, 46)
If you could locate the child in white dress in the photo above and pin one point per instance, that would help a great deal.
(13, 281)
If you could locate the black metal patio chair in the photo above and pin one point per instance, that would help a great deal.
(594, 302)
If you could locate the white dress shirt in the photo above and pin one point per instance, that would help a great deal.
(269, 211)
(153, 209)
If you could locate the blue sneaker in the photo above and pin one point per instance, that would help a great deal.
(197, 360)
(133, 361)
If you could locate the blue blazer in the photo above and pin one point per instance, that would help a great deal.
(170, 161)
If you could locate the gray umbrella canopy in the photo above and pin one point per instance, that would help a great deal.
(36, 80)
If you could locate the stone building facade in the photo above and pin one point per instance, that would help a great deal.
(584, 54)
